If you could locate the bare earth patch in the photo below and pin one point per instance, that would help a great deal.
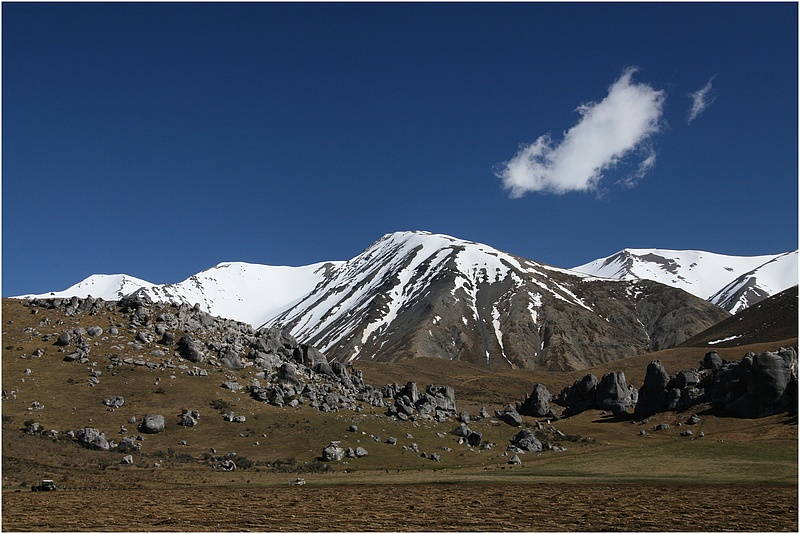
(417, 507)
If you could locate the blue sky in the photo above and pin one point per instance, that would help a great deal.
(158, 140)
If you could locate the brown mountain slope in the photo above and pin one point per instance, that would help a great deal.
(418, 295)
(772, 319)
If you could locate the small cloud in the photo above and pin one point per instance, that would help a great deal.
(701, 99)
(607, 132)
(646, 164)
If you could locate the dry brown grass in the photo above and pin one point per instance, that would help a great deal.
(477, 488)
(399, 507)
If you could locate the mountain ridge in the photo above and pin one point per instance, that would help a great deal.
(731, 282)
(731, 295)
(418, 294)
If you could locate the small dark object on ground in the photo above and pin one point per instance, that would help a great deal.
(44, 485)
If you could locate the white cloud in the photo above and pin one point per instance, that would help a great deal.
(645, 165)
(607, 132)
(701, 99)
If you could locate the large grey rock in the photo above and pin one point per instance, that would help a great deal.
(152, 424)
(509, 415)
(537, 404)
(673, 399)
(580, 396)
(276, 341)
(653, 395)
(342, 373)
(188, 418)
(64, 339)
(614, 394)
(687, 378)
(308, 355)
(324, 369)
(92, 438)
(526, 440)
(168, 338)
(474, 439)
(333, 452)
(764, 385)
(711, 361)
(444, 397)
(95, 331)
(191, 349)
(287, 374)
(403, 405)
(462, 431)
(411, 391)
(230, 358)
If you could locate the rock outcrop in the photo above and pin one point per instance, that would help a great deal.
(437, 402)
(610, 393)
(537, 404)
(289, 373)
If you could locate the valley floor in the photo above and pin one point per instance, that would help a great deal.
(417, 507)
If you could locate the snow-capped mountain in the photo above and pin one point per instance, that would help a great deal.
(415, 294)
(768, 279)
(246, 292)
(105, 286)
(731, 282)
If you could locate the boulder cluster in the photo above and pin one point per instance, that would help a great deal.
(757, 386)
(184, 338)
(611, 393)
(334, 452)
(436, 403)
(289, 373)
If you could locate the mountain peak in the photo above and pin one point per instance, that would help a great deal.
(695, 271)
(414, 294)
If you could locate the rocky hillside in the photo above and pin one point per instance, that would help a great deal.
(415, 294)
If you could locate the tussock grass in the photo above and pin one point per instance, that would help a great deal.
(275, 444)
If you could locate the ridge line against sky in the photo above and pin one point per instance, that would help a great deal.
(158, 139)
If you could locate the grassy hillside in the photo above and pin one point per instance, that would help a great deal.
(275, 445)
